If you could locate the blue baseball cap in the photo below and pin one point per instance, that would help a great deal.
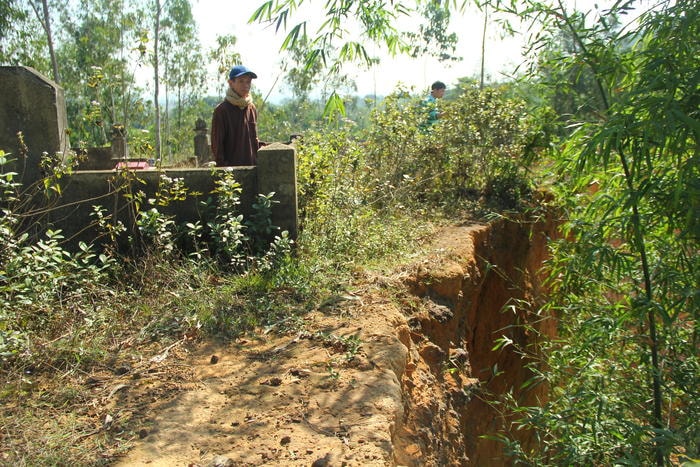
(240, 70)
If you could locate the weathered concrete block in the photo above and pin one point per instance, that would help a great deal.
(35, 105)
(98, 159)
(277, 171)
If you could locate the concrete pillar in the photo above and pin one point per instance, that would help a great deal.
(34, 105)
(277, 171)
(120, 148)
(202, 149)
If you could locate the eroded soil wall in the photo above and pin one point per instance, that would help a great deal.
(481, 285)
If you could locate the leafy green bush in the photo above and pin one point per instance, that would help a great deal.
(36, 272)
(477, 148)
(52, 298)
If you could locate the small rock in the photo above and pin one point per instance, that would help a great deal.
(300, 372)
(285, 440)
(122, 370)
(214, 359)
(107, 422)
(221, 461)
(323, 461)
(93, 381)
(273, 381)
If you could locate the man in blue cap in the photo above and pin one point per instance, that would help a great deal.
(234, 125)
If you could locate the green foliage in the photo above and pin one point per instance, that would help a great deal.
(356, 187)
(623, 370)
(33, 278)
(332, 204)
(376, 17)
(432, 37)
(99, 49)
(22, 41)
(47, 291)
(222, 235)
(478, 147)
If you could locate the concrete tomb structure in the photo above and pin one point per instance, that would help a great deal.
(35, 106)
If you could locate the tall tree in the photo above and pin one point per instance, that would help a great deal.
(224, 54)
(432, 37)
(45, 19)
(483, 45)
(302, 76)
(158, 10)
(182, 67)
(19, 43)
(104, 48)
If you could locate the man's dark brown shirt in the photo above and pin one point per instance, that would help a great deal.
(234, 135)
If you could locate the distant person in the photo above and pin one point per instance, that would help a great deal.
(234, 124)
(437, 91)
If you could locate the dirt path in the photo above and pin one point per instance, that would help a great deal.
(330, 395)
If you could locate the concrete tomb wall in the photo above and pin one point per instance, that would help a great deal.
(35, 105)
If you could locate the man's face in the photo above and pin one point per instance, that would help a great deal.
(241, 85)
(438, 93)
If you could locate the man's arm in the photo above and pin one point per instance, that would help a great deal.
(217, 138)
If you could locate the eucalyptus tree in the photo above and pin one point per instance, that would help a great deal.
(432, 37)
(92, 47)
(224, 54)
(44, 17)
(14, 13)
(302, 77)
(103, 51)
(22, 41)
(182, 69)
(157, 9)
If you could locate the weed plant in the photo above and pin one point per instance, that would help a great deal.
(54, 298)
(360, 193)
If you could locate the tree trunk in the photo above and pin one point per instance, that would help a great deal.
(483, 45)
(156, 82)
(45, 21)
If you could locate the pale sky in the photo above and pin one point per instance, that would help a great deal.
(259, 48)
